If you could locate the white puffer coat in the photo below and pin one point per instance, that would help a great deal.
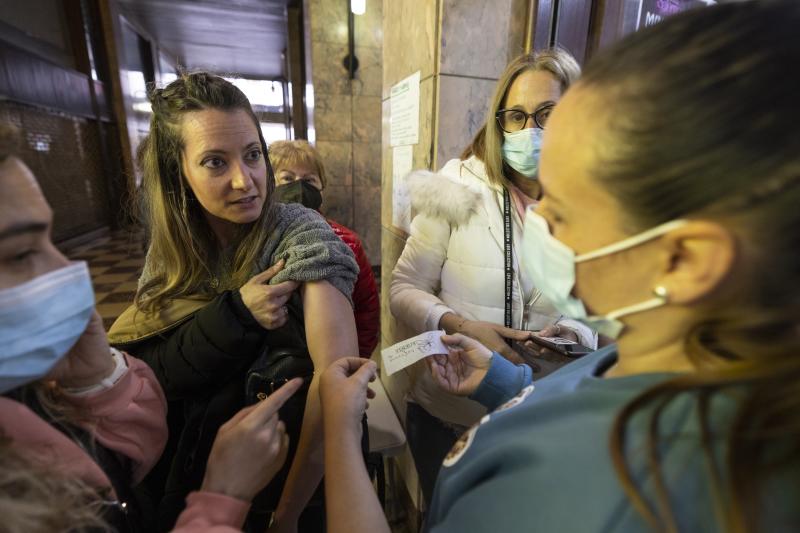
(453, 262)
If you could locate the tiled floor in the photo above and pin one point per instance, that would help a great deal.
(115, 262)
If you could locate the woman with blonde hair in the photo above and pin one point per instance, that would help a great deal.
(301, 178)
(460, 270)
(234, 284)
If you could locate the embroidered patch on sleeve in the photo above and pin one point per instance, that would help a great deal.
(516, 400)
(461, 446)
(463, 443)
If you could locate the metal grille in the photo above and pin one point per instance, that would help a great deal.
(64, 152)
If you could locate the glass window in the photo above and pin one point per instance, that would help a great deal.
(264, 95)
(167, 68)
(274, 131)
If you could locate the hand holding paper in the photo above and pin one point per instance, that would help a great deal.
(458, 363)
(463, 368)
(409, 351)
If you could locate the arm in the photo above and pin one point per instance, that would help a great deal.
(331, 334)
(218, 342)
(212, 513)
(125, 407)
(417, 276)
(503, 381)
(129, 417)
(350, 501)
(470, 369)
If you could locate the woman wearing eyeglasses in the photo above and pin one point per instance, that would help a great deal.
(452, 272)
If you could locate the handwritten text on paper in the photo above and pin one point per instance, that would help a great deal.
(411, 350)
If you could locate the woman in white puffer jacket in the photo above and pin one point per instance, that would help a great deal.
(451, 274)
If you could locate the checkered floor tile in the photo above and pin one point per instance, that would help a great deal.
(115, 262)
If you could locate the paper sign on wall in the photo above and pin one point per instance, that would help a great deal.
(404, 119)
(402, 161)
(409, 351)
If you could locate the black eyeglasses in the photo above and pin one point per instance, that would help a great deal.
(513, 120)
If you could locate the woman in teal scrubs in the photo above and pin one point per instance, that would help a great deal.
(670, 220)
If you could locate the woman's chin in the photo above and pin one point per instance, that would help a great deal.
(245, 215)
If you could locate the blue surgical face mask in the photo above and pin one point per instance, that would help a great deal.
(551, 264)
(521, 151)
(40, 321)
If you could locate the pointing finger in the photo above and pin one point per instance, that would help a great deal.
(267, 408)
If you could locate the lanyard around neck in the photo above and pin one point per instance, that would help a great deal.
(508, 255)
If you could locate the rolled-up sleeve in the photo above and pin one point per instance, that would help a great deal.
(417, 275)
(503, 381)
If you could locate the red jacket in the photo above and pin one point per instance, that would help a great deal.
(365, 294)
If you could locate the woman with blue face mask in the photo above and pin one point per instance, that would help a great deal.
(80, 422)
(683, 242)
(461, 267)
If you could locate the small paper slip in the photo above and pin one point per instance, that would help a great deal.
(409, 351)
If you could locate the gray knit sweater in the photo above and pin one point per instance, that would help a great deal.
(312, 251)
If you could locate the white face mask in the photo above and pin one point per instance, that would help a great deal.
(521, 151)
(40, 321)
(551, 264)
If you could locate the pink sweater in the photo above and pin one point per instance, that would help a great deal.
(128, 418)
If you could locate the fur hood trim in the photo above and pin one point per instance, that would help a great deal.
(438, 196)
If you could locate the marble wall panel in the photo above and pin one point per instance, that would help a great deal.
(366, 118)
(386, 189)
(332, 117)
(462, 111)
(391, 247)
(337, 204)
(515, 43)
(423, 150)
(369, 76)
(386, 166)
(336, 156)
(367, 164)
(329, 75)
(348, 115)
(475, 36)
(367, 220)
(329, 20)
(409, 40)
(368, 30)
(392, 331)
